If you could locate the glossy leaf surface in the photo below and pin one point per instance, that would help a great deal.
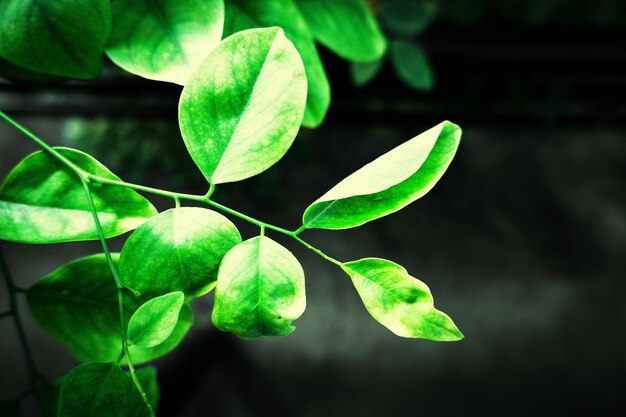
(412, 66)
(155, 320)
(77, 305)
(248, 14)
(387, 184)
(63, 38)
(408, 18)
(41, 201)
(400, 302)
(162, 39)
(242, 109)
(260, 290)
(346, 27)
(178, 250)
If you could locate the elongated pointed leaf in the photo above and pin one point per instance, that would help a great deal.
(398, 301)
(41, 201)
(155, 320)
(260, 290)
(178, 250)
(63, 38)
(248, 14)
(346, 27)
(412, 65)
(242, 108)
(387, 184)
(162, 39)
(78, 306)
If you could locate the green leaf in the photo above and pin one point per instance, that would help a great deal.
(162, 39)
(387, 184)
(155, 320)
(408, 18)
(178, 250)
(260, 290)
(40, 188)
(48, 397)
(346, 27)
(149, 382)
(412, 66)
(20, 75)
(248, 14)
(63, 38)
(100, 389)
(242, 108)
(400, 302)
(364, 72)
(78, 306)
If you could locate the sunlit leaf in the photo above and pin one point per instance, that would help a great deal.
(162, 39)
(42, 201)
(178, 250)
(260, 290)
(408, 18)
(364, 72)
(63, 38)
(387, 184)
(400, 302)
(242, 108)
(155, 320)
(412, 66)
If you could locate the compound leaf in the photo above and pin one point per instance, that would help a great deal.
(387, 184)
(42, 201)
(346, 27)
(155, 320)
(400, 302)
(63, 38)
(412, 65)
(162, 39)
(178, 250)
(242, 108)
(260, 290)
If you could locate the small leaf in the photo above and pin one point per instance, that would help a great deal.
(148, 379)
(387, 184)
(408, 18)
(40, 188)
(412, 66)
(155, 320)
(400, 302)
(242, 108)
(100, 389)
(178, 250)
(248, 14)
(162, 39)
(364, 72)
(63, 38)
(260, 290)
(346, 27)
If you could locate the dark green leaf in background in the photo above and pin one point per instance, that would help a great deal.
(364, 72)
(48, 397)
(412, 65)
(42, 201)
(389, 183)
(408, 18)
(260, 290)
(163, 39)
(147, 377)
(155, 320)
(63, 38)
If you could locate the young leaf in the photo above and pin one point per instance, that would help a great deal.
(100, 389)
(77, 305)
(346, 27)
(178, 250)
(63, 38)
(364, 72)
(162, 39)
(387, 184)
(408, 18)
(260, 290)
(242, 108)
(400, 302)
(248, 14)
(412, 66)
(41, 201)
(155, 320)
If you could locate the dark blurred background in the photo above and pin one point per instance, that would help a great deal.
(523, 242)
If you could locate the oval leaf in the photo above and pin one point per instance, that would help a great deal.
(162, 39)
(248, 14)
(400, 302)
(178, 250)
(40, 188)
(77, 305)
(155, 320)
(387, 184)
(63, 38)
(346, 27)
(408, 18)
(412, 66)
(242, 108)
(260, 290)
(364, 72)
